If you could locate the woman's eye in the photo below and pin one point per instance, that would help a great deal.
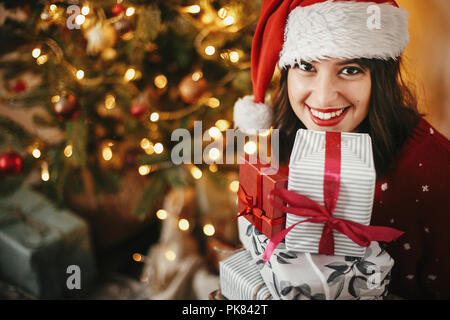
(351, 71)
(305, 66)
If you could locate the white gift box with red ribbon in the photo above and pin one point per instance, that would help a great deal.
(355, 195)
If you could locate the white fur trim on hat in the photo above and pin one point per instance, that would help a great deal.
(250, 116)
(344, 29)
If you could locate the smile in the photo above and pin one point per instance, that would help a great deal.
(327, 117)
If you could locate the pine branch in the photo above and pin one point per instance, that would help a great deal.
(15, 134)
(153, 191)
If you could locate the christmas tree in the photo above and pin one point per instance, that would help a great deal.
(115, 79)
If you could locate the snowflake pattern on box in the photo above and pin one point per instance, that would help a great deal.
(293, 275)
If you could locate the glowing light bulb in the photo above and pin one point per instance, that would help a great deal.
(197, 75)
(85, 10)
(234, 56)
(250, 147)
(80, 19)
(228, 21)
(68, 151)
(145, 143)
(130, 11)
(158, 147)
(162, 214)
(196, 172)
(210, 50)
(222, 124)
(170, 255)
(160, 81)
(213, 102)
(45, 175)
(130, 74)
(209, 229)
(234, 186)
(80, 74)
(154, 117)
(214, 132)
(55, 99)
(107, 153)
(53, 7)
(214, 154)
(144, 170)
(183, 224)
(36, 52)
(150, 150)
(110, 101)
(137, 257)
(222, 13)
(193, 9)
(42, 59)
(36, 153)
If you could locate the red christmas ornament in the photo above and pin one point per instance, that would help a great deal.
(10, 163)
(20, 86)
(117, 9)
(123, 26)
(192, 90)
(65, 106)
(138, 110)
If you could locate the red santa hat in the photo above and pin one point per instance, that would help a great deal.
(289, 31)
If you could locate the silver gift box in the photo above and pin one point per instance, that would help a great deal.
(240, 278)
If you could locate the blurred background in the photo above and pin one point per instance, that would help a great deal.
(90, 93)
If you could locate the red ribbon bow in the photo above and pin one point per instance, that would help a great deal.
(250, 208)
(303, 206)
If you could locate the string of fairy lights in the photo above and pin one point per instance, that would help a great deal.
(207, 20)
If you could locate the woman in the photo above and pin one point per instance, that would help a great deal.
(339, 74)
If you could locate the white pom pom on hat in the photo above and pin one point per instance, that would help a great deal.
(250, 116)
(289, 31)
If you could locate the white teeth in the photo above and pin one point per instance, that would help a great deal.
(328, 115)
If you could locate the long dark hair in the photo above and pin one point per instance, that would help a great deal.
(392, 112)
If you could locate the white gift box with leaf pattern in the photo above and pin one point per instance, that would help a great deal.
(293, 275)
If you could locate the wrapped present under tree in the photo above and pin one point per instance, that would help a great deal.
(39, 243)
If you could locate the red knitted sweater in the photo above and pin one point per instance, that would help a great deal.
(414, 196)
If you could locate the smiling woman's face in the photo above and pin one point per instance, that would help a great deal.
(330, 95)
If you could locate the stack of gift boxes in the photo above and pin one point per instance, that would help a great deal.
(306, 233)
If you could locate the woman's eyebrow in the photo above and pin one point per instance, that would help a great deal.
(348, 61)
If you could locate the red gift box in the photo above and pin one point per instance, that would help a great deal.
(255, 183)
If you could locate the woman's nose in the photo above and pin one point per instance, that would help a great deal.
(324, 91)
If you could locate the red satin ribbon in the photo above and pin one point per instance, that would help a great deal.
(250, 208)
(303, 206)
